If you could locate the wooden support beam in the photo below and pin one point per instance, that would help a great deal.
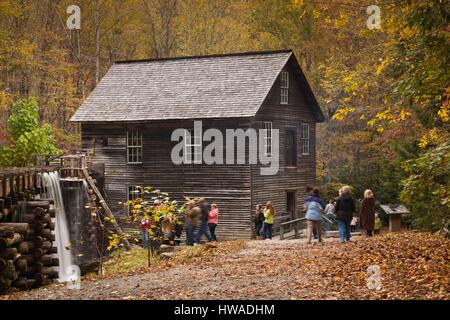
(106, 208)
(395, 223)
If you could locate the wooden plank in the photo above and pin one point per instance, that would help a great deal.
(105, 207)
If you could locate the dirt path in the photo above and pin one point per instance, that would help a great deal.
(267, 270)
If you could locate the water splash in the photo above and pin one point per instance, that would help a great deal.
(51, 183)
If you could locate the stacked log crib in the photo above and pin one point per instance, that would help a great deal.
(27, 254)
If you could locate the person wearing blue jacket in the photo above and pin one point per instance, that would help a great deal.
(314, 208)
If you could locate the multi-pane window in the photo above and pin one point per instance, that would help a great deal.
(134, 192)
(134, 147)
(305, 138)
(268, 139)
(284, 85)
(193, 146)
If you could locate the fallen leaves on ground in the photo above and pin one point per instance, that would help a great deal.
(413, 265)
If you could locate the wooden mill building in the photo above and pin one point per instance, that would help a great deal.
(128, 120)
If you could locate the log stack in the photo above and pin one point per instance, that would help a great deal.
(11, 235)
(27, 252)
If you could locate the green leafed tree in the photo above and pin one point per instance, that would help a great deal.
(27, 137)
(427, 188)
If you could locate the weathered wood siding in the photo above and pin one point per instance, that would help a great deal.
(285, 117)
(226, 185)
(235, 188)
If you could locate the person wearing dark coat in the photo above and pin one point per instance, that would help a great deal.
(345, 207)
(367, 213)
(192, 217)
(259, 220)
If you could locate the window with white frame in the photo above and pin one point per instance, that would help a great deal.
(134, 147)
(134, 192)
(193, 146)
(305, 138)
(268, 139)
(284, 85)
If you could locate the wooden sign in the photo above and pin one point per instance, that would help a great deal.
(394, 208)
(394, 211)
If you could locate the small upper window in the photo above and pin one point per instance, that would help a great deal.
(134, 147)
(193, 146)
(305, 138)
(268, 139)
(284, 85)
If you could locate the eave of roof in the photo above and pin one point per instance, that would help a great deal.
(237, 54)
(99, 108)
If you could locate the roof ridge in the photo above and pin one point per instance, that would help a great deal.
(235, 54)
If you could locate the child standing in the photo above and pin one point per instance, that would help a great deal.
(213, 219)
(353, 224)
(145, 227)
(377, 226)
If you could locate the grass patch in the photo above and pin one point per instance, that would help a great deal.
(122, 262)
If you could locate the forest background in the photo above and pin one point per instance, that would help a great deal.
(385, 92)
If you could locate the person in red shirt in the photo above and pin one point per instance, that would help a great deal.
(145, 227)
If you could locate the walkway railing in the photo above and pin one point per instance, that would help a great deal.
(296, 224)
(289, 225)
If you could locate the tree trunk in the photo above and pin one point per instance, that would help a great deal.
(97, 41)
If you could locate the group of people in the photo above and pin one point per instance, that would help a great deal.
(201, 219)
(165, 231)
(264, 218)
(342, 209)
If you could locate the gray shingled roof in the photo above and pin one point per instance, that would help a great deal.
(222, 86)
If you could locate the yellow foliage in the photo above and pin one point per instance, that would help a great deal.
(384, 115)
(114, 241)
(371, 122)
(342, 113)
(444, 111)
(384, 63)
(342, 21)
(316, 14)
(431, 137)
(407, 33)
(297, 3)
(404, 114)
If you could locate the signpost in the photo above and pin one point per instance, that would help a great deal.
(394, 211)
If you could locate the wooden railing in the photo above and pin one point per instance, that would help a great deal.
(280, 218)
(295, 224)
